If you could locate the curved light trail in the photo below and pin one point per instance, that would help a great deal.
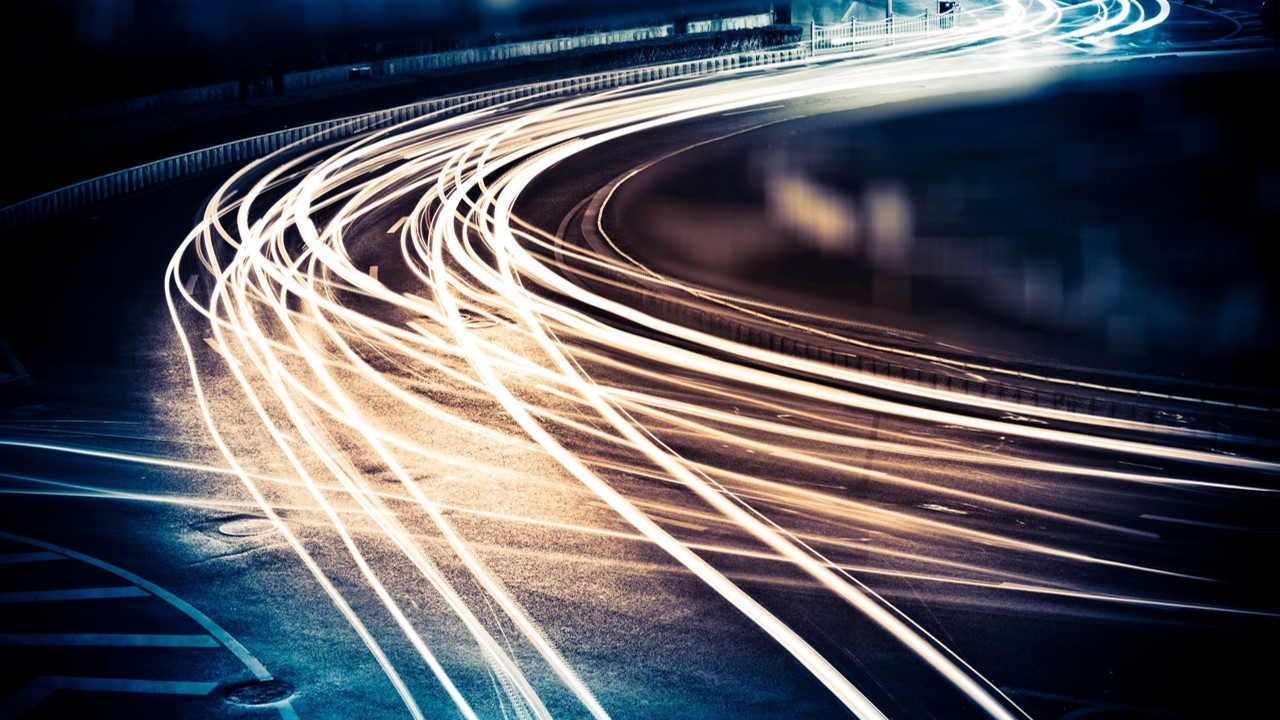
(491, 378)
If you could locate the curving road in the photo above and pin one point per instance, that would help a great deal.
(533, 476)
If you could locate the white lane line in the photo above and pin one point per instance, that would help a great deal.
(1141, 465)
(1204, 523)
(108, 640)
(73, 594)
(240, 651)
(373, 271)
(28, 557)
(36, 691)
(751, 110)
(399, 223)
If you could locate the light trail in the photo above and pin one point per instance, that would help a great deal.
(396, 408)
(72, 490)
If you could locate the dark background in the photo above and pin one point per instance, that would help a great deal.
(62, 54)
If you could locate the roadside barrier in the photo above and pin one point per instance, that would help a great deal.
(1196, 415)
(81, 195)
(852, 34)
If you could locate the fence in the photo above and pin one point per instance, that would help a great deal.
(105, 187)
(1222, 419)
(879, 32)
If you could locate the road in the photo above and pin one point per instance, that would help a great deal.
(422, 439)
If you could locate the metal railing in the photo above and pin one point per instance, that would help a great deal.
(846, 35)
(1221, 419)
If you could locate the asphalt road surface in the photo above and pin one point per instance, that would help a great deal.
(411, 425)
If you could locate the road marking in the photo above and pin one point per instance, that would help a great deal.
(1203, 523)
(36, 691)
(396, 227)
(1141, 465)
(1092, 706)
(242, 653)
(27, 557)
(73, 594)
(942, 509)
(190, 287)
(373, 271)
(107, 640)
(751, 110)
(1023, 419)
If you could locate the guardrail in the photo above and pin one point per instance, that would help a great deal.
(879, 32)
(1201, 416)
(117, 184)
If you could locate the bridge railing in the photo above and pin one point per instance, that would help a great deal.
(886, 31)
